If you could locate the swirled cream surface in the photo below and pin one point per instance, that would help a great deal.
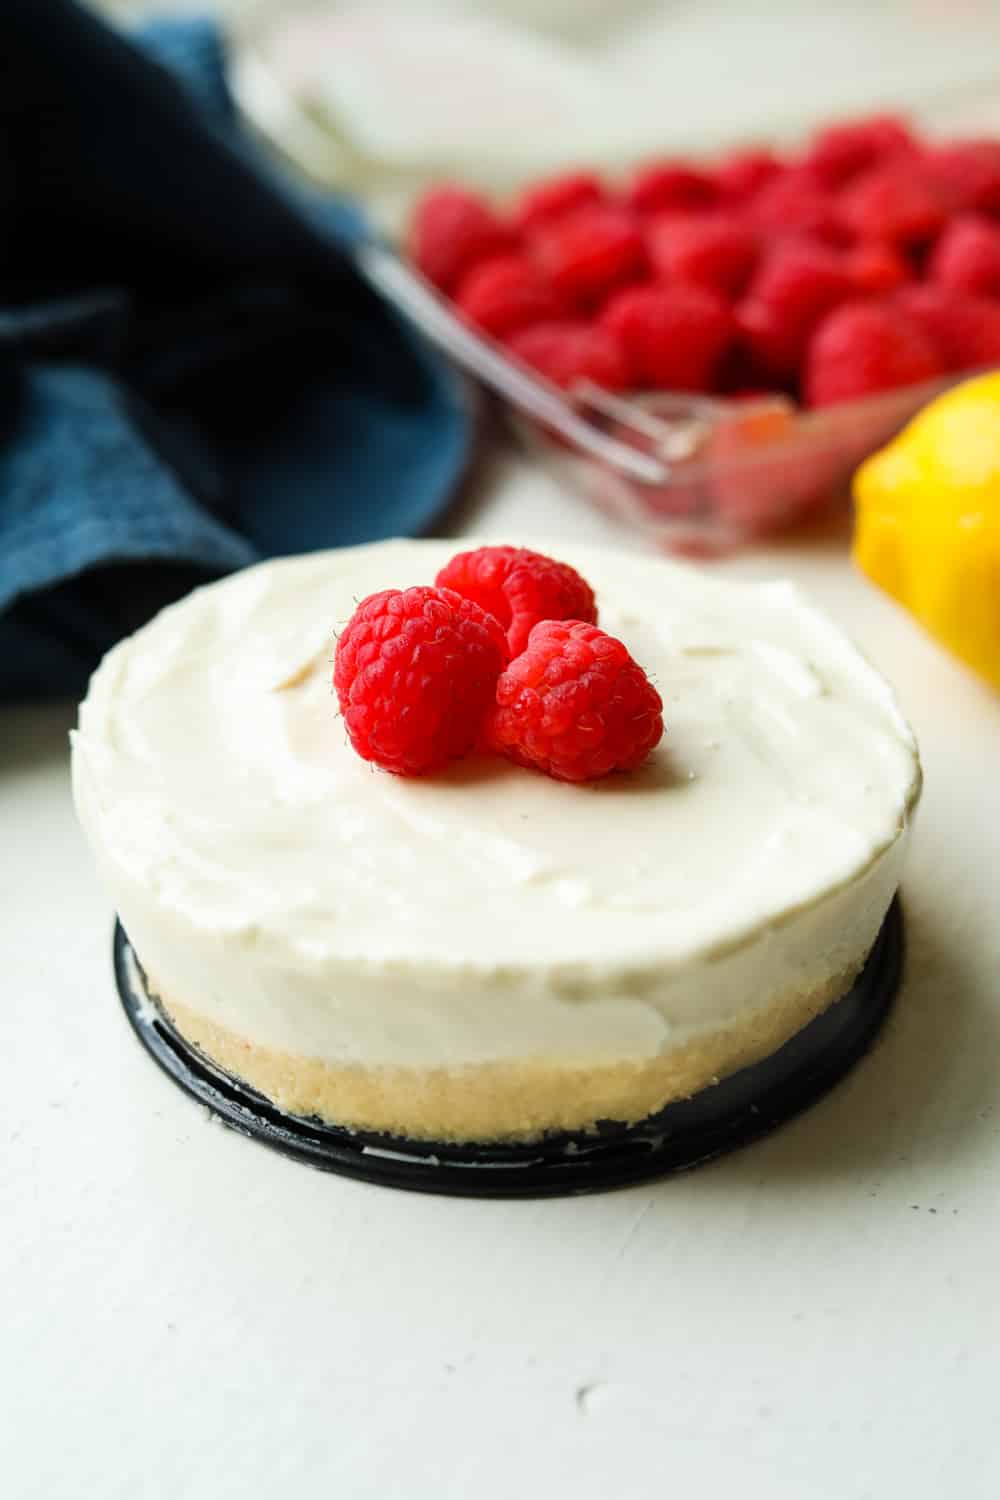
(283, 888)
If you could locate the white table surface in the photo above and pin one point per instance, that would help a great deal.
(185, 1314)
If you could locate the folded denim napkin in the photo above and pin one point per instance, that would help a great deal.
(192, 375)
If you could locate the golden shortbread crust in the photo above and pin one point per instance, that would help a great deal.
(500, 1101)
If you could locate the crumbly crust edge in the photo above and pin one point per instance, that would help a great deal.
(501, 1101)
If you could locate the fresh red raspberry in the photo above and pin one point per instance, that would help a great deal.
(965, 330)
(973, 340)
(415, 672)
(565, 352)
(796, 286)
(966, 175)
(592, 252)
(967, 256)
(876, 269)
(843, 151)
(451, 231)
(670, 184)
(519, 588)
(507, 293)
(863, 347)
(674, 336)
(575, 705)
(556, 197)
(707, 250)
(794, 204)
(893, 204)
(741, 176)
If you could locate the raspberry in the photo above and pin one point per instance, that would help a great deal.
(415, 673)
(674, 336)
(519, 588)
(876, 269)
(587, 255)
(506, 293)
(795, 287)
(709, 250)
(741, 176)
(966, 175)
(450, 231)
(794, 204)
(863, 347)
(893, 204)
(575, 705)
(973, 337)
(967, 256)
(670, 184)
(557, 197)
(843, 151)
(965, 330)
(568, 351)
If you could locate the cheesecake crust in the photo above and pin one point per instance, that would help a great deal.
(497, 1102)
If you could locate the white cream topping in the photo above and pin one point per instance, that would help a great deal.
(276, 883)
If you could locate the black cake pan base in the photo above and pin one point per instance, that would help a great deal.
(685, 1134)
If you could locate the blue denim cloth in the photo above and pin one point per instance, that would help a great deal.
(192, 375)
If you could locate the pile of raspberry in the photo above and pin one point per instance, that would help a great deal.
(869, 260)
(503, 655)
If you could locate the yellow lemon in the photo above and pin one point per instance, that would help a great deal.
(928, 521)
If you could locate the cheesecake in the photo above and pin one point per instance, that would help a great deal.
(487, 954)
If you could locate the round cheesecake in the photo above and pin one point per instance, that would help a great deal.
(488, 954)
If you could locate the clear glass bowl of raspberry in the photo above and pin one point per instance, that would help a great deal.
(750, 327)
(757, 324)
